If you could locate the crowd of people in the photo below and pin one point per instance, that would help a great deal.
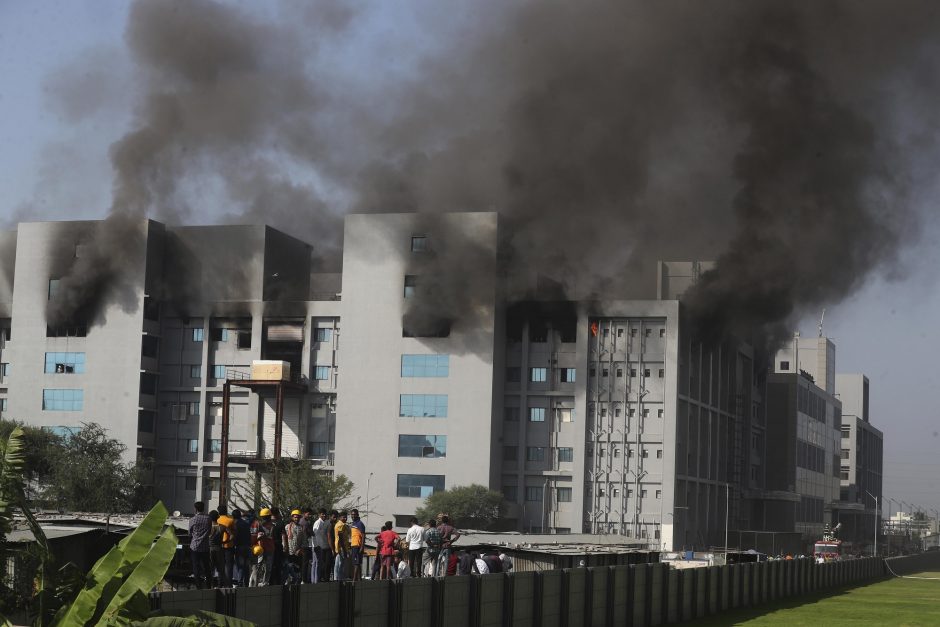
(240, 549)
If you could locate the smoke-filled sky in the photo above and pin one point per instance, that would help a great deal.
(794, 145)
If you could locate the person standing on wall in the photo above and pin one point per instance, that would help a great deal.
(415, 539)
(357, 536)
(321, 548)
(294, 539)
(200, 525)
(342, 534)
(242, 549)
(228, 541)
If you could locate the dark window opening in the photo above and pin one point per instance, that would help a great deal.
(538, 332)
(151, 309)
(72, 331)
(244, 340)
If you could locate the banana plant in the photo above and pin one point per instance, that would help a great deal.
(116, 588)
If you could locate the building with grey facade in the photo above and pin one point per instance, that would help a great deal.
(862, 448)
(418, 369)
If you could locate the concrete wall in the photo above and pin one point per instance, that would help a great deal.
(635, 595)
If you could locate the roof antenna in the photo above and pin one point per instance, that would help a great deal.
(821, 318)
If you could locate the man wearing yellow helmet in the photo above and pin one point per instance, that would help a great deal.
(294, 539)
(262, 537)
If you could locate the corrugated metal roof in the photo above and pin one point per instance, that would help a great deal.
(52, 532)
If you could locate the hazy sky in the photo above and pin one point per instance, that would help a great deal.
(54, 165)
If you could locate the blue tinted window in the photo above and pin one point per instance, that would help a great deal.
(218, 372)
(198, 334)
(65, 363)
(323, 335)
(423, 405)
(425, 365)
(422, 446)
(536, 414)
(63, 400)
(421, 486)
(322, 373)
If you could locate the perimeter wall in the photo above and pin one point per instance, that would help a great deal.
(634, 595)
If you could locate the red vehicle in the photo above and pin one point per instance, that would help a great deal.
(829, 549)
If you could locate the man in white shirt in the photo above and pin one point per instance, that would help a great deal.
(321, 548)
(415, 539)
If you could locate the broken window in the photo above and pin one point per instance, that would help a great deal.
(244, 340)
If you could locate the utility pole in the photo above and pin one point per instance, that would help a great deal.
(727, 508)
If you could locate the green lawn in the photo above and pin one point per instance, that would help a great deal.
(893, 602)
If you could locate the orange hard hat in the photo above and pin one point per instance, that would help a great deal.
(257, 549)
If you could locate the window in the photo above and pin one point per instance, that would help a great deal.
(844, 475)
(53, 288)
(662, 373)
(632, 332)
(427, 446)
(535, 454)
(213, 484)
(659, 413)
(197, 334)
(662, 333)
(63, 400)
(617, 411)
(567, 375)
(630, 452)
(419, 243)
(659, 494)
(784, 365)
(243, 340)
(218, 335)
(659, 453)
(642, 494)
(619, 332)
(536, 414)
(3, 404)
(605, 372)
(5, 369)
(592, 373)
(190, 483)
(193, 446)
(215, 446)
(411, 285)
(646, 372)
(846, 432)
(566, 454)
(564, 414)
(603, 412)
(318, 450)
(76, 331)
(419, 486)
(218, 371)
(538, 375)
(632, 412)
(533, 493)
(323, 335)
(323, 373)
(195, 372)
(510, 493)
(619, 373)
(563, 495)
(194, 408)
(425, 365)
(513, 374)
(646, 413)
(423, 406)
(58, 363)
(845, 453)
(632, 372)
(510, 453)
(645, 453)
(511, 414)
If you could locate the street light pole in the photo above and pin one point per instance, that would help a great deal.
(875, 552)
(368, 485)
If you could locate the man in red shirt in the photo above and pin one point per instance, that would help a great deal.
(389, 541)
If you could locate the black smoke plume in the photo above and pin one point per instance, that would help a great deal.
(768, 135)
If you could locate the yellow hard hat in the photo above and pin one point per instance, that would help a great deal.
(295, 512)
(264, 512)
(257, 549)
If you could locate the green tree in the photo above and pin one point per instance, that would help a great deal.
(88, 474)
(40, 447)
(472, 507)
(301, 485)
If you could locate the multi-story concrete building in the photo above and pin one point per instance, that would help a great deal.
(804, 420)
(417, 373)
(861, 462)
